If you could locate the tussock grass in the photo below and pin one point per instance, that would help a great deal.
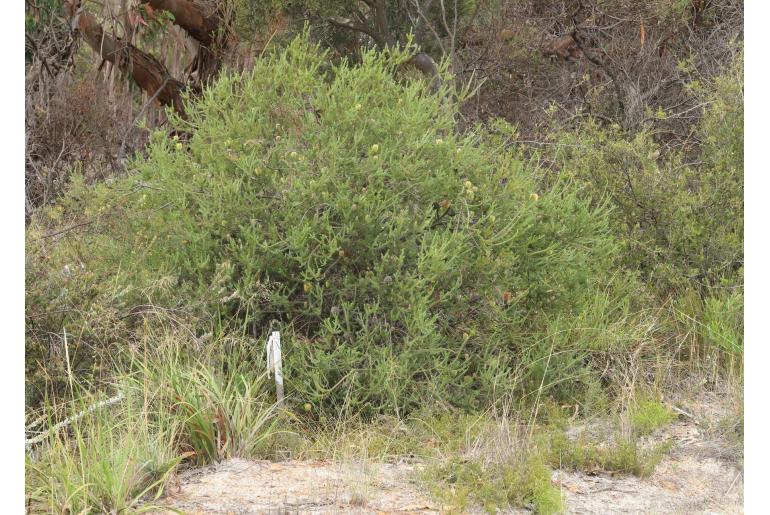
(107, 461)
(176, 409)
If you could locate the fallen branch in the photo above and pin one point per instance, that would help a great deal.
(682, 412)
(74, 418)
(66, 229)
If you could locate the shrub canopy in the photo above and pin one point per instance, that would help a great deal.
(339, 205)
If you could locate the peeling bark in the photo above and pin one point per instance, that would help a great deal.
(148, 73)
(199, 19)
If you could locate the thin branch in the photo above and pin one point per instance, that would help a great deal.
(57, 233)
(419, 26)
(428, 24)
(359, 27)
(130, 129)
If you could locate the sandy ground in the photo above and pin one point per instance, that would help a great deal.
(319, 487)
(694, 478)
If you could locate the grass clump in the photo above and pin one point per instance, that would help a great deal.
(649, 415)
(495, 487)
(174, 410)
(619, 456)
(110, 461)
(219, 400)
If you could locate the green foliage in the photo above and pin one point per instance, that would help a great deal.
(716, 321)
(219, 400)
(649, 415)
(722, 131)
(680, 222)
(175, 407)
(562, 363)
(723, 323)
(104, 462)
(483, 460)
(623, 455)
(402, 261)
(496, 487)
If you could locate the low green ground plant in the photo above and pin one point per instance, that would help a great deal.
(648, 415)
(462, 484)
(622, 455)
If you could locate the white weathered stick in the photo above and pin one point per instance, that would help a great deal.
(274, 365)
(74, 418)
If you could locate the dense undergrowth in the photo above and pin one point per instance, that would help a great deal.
(412, 270)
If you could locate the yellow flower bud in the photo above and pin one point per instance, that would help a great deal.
(534, 197)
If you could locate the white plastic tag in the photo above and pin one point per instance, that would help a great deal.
(274, 365)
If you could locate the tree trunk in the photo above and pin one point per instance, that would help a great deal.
(148, 73)
(199, 19)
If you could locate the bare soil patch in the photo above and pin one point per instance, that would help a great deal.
(694, 478)
(319, 487)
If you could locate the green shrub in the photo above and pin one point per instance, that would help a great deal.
(498, 486)
(678, 214)
(402, 262)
